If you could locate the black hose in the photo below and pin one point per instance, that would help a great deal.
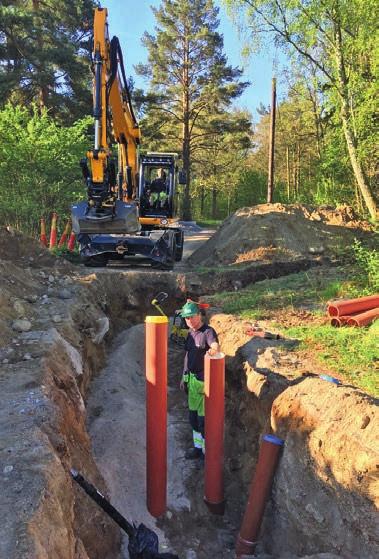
(117, 60)
(103, 503)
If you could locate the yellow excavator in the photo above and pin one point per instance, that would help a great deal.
(131, 199)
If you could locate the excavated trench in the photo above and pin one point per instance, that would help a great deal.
(87, 410)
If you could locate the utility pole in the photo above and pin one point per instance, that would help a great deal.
(270, 183)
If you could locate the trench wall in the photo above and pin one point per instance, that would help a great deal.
(43, 421)
(325, 494)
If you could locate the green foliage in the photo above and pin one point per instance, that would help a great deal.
(251, 188)
(368, 263)
(39, 166)
(210, 223)
(350, 352)
(45, 53)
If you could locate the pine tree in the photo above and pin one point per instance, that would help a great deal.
(190, 80)
(44, 55)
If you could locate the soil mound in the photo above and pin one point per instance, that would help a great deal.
(16, 246)
(270, 232)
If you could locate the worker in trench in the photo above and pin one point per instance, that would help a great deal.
(201, 339)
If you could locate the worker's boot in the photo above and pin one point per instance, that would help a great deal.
(193, 453)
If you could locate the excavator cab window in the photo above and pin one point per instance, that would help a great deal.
(155, 194)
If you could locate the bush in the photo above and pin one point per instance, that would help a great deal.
(368, 263)
(39, 166)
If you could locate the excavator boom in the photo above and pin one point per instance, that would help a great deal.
(111, 191)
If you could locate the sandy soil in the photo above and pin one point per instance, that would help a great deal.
(270, 232)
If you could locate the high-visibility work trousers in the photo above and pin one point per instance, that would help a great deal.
(196, 408)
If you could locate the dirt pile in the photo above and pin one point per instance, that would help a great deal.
(16, 247)
(277, 232)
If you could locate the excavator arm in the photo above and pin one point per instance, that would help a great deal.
(110, 190)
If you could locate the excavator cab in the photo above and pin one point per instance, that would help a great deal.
(157, 188)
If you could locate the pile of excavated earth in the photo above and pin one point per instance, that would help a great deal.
(72, 385)
(277, 232)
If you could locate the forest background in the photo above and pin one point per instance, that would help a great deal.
(326, 133)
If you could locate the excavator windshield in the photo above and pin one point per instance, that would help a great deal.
(157, 186)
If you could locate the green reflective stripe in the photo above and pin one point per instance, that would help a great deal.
(197, 439)
(196, 394)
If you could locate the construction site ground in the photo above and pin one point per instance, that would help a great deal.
(72, 383)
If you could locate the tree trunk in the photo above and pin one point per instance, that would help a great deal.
(202, 200)
(187, 214)
(294, 174)
(347, 129)
(214, 203)
(298, 174)
(42, 89)
(271, 156)
(288, 173)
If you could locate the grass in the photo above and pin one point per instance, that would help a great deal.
(209, 223)
(256, 300)
(351, 353)
(71, 256)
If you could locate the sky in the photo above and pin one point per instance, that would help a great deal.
(129, 19)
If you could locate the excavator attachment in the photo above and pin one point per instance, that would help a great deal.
(120, 219)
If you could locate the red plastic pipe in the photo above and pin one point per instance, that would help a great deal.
(214, 392)
(64, 235)
(71, 242)
(43, 238)
(156, 414)
(349, 306)
(259, 492)
(53, 231)
(364, 318)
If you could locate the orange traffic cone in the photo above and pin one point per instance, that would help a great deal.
(53, 231)
(64, 235)
(43, 238)
(71, 242)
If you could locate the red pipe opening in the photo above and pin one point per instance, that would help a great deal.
(259, 492)
(364, 318)
(214, 392)
(156, 414)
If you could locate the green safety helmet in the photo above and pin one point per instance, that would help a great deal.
(189, 309)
